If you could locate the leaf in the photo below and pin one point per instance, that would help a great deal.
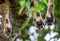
(20, 11)
(27, 3)
(36, 8)
(45, 2)
(22, 3)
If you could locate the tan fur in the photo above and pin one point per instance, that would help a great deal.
(5, 14)
(50, 2)
(4, 9)
(50, 10)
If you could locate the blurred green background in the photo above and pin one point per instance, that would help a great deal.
(17, 9)
(43, 32)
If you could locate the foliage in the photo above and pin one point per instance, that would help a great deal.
(23, 4)
(42, 6)
(39, 7)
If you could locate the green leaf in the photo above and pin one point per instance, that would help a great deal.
(36, 8)
(45, 2)
(20, 11)
(27, 3)
(22, 3)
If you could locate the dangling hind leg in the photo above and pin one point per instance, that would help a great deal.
(50, 13)
(39, 22)
(6, 22)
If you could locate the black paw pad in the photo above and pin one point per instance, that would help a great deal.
(40, 24)
(8, 32)
(38, 14)
(49, 19)
(39, 27)
(6, 20)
